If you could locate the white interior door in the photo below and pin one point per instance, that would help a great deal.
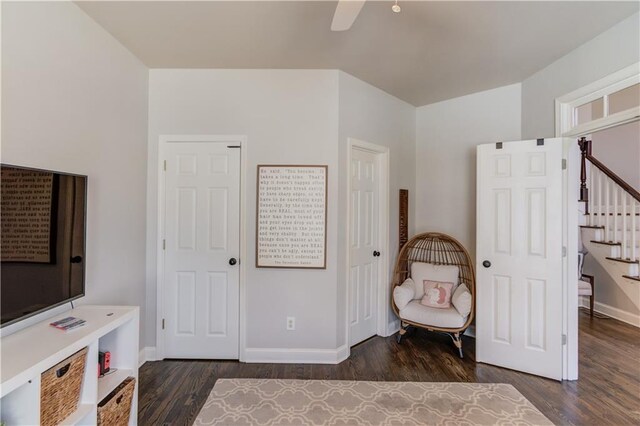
(519, 256)
(363, 243)
(201, 277)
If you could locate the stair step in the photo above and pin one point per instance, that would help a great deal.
(591, 227)
(620, 225)
(632, 278)
(619, 259)
(606, 243)
(610, 214)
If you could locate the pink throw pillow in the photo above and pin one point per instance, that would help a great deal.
(437, 294)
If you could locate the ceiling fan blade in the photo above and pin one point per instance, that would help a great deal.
(346, 13)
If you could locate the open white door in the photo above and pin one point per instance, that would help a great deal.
(519, 256)
(201, 233)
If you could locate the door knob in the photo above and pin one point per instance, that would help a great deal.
(232, 261)
(486, 264)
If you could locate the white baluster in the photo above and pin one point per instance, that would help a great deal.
(607, 210)
(592, 194)
(634, 229)
(600, 218)
(625, 251)
(614, 188)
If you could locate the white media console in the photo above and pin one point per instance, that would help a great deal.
(26, 354)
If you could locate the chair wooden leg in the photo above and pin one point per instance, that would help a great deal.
(457, 340)
(402, 332)
(591, 305)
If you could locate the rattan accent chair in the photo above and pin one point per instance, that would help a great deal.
(437, 249)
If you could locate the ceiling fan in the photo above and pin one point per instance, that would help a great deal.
(347, 11)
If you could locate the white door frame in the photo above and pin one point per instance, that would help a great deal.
(565, 105)
(564, 114)
(231, 140)
(382, 309)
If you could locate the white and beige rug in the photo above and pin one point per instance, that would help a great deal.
(323, 402)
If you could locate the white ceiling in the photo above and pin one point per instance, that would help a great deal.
(430, 52)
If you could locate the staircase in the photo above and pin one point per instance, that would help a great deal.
(610, 227)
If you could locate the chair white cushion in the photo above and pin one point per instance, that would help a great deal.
(437, 317)
(584, 288)
(421, 271)
(462, 300)
(403, 294)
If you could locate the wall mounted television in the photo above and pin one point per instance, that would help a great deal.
(42, 240)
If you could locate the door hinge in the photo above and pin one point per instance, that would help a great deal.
(564, 339)
(163, 323)
(564, 164)
(164, 244)
(164, 165)
(564, 251)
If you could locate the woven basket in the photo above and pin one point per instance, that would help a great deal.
(115, 408)
(60, 389)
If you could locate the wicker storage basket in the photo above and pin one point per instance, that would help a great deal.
(60, 389)
(115, 408)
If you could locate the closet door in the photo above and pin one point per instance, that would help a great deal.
(364, 245)
(201, 247)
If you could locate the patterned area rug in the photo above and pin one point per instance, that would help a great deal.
(322, 402)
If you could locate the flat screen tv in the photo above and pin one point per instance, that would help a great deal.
(42, 240)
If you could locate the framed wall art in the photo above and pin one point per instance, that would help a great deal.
(291, 217)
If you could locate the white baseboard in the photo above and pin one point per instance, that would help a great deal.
(296, 356)
(148, 353)
(610, 311)
(343, 353)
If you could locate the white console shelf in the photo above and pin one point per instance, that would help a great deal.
(26, 354)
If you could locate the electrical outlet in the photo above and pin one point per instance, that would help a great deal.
(291, 323)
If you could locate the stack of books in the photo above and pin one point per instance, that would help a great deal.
(68, 323)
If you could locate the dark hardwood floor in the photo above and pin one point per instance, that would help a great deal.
(608, 391)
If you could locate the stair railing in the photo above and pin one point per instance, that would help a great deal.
(610, 203)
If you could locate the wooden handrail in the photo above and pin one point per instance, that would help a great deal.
(614, 177)
(585, 147)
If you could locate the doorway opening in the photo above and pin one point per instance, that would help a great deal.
(610, 223)
(604, 104)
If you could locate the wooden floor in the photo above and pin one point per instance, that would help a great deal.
(608, 392)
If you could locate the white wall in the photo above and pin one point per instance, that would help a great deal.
(75, 100)
(446, 138)
(613, 291)
(288, 116)
(369, 114)
(610, 51)
(618, 148)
